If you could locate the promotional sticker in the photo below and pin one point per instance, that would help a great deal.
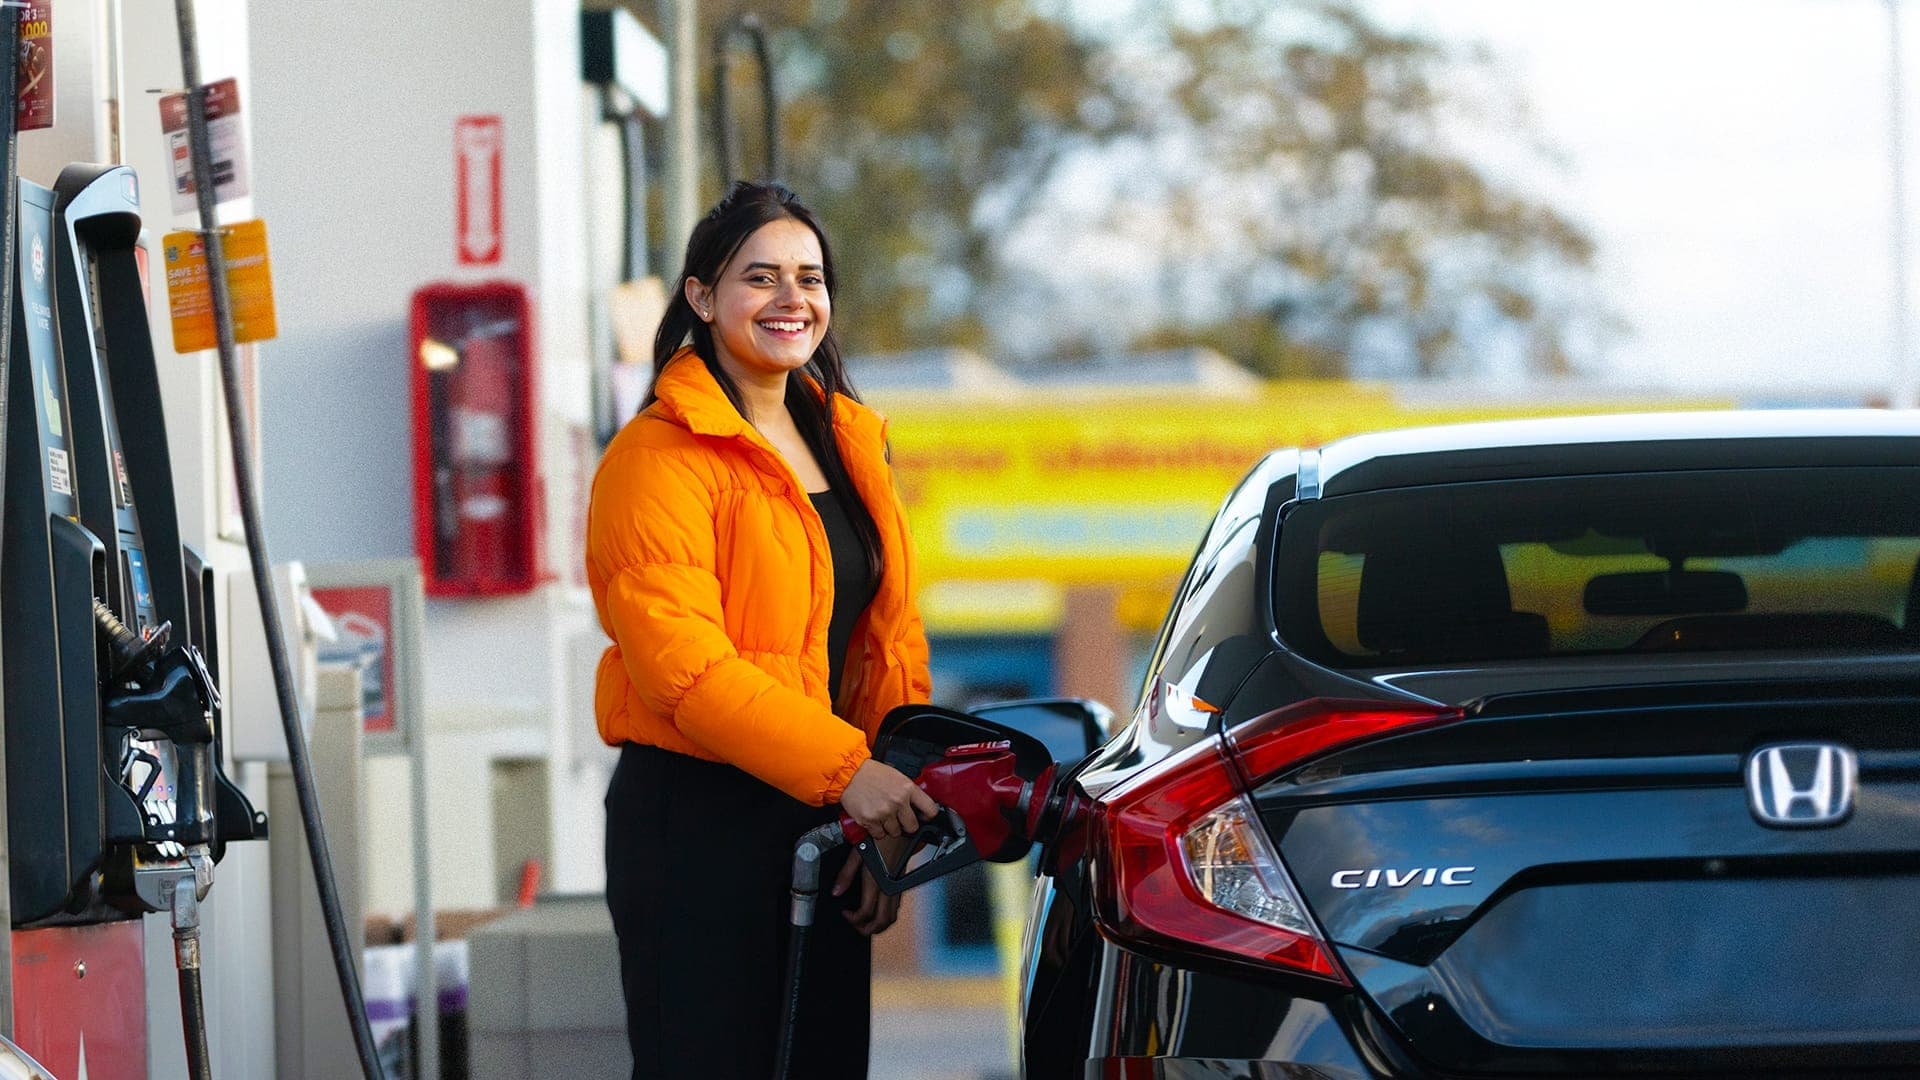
(33, 103)
(249, 285)
(224, 135)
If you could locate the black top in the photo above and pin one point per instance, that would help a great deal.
(853, 582)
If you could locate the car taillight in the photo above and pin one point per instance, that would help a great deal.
(1184, 863)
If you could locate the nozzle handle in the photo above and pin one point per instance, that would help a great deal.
(945, 835)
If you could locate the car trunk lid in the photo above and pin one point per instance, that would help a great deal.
(1578, 881)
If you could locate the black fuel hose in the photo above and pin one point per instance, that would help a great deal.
(182, 898)
(193, 1013)
(241, 434)
(812, 846)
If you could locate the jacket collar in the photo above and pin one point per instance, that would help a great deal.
(688, 394)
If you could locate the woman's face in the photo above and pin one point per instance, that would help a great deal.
(769, 307)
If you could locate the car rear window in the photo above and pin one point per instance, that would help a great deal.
(1760, 559)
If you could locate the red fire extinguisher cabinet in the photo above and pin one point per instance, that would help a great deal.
(476, 482)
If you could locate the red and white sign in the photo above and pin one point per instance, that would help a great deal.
(477, 143)
(224, 133)
(363, 624)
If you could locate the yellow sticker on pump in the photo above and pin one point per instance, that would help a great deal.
(249, 285)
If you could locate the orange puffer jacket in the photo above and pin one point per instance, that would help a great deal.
(710, 572)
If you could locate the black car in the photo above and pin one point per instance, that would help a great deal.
(1561, 747)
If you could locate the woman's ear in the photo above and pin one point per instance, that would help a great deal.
(701, 298)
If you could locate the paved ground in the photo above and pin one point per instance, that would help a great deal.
(953, 1042)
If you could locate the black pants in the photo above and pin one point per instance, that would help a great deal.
(699, 869)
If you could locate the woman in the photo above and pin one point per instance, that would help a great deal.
(750, 560)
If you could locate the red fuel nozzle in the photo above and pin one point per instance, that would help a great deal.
(979, 784)
(983, 801)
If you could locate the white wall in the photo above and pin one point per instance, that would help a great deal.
(354, 109)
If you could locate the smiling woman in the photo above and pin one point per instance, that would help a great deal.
(769, 312)
(770, 309)
(749, 559)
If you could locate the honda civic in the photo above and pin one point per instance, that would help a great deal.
(1557, 747)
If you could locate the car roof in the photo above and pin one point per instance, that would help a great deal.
(1635, 442)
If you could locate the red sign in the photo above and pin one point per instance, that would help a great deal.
(33, 107)
(80, 999)
(363, 618)
(477, 142)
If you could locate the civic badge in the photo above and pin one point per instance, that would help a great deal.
(1801, 785)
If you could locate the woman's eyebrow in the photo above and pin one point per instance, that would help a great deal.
(776, 269)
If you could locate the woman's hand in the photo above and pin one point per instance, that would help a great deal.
(885, 802)
(877, 910)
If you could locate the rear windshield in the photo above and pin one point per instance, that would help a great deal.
(1709, 561)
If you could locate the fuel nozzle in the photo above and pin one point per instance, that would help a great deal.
(157, 707)
(988, 811)
(128, 654)
(996, 791)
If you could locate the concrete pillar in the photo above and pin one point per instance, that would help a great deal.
(314, 1040)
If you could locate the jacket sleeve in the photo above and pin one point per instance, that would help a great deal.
(651, 534)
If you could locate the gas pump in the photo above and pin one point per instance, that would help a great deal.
(57, 802)
(53, 569)
(125, 483)
(116, 804)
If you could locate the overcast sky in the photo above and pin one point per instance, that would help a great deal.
(1732, 158)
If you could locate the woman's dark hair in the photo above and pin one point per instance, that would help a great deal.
(744, 209)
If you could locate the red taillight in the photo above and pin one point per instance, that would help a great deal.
(1269, 745)
(1184, 862)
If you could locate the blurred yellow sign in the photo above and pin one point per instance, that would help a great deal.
(249, 286)
(1117, 490)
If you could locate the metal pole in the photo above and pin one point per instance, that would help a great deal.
(9, 234)
(240, 427)
(683, 141)
(726, 126)
(426, 972)
(1902, 395)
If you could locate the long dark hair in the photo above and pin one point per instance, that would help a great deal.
(716, 239)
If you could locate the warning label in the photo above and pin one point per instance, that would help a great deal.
(59, 471)
(120, 473)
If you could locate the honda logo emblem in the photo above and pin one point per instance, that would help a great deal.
(1801, 785)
